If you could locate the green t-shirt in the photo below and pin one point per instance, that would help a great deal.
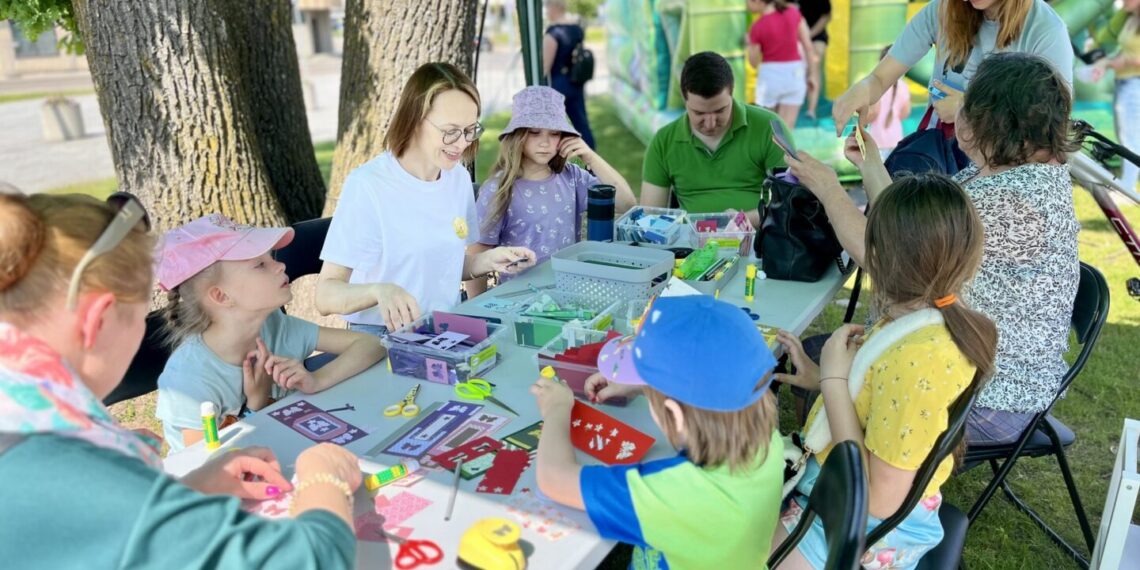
(680, 515)
(730, 177)
(70, 504)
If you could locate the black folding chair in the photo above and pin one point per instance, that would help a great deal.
(1047, 436)
(303, 255)
(840, 500)
(142, 375)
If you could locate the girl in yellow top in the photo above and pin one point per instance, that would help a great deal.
(924, 240)
(1127, 66)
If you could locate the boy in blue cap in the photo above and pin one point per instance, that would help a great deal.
(705, 370)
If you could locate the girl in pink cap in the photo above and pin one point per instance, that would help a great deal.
(535, 198)
(234, 347)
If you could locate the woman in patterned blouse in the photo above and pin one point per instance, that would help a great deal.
(1014, 127)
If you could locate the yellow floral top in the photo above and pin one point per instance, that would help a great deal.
(905, 401)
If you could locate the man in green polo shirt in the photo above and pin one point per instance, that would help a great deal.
(716, 156)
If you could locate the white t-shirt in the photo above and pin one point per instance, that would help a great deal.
(196, 374)
(391, 227)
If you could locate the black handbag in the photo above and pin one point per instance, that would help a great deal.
(796, 241)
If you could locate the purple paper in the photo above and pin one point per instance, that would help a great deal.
(316, 424)
(429, 431)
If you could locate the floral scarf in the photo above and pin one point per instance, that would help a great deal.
(40, 393)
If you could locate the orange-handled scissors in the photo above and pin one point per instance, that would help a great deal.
(413, 553)
(479, 389)
(406, 407)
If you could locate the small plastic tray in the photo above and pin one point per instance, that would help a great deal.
(611, 270)
(710, 287)
(572, 373)
(740, 240)
(535, 331)
(627, 228)
(442, 366)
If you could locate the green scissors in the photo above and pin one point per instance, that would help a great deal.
(479, 389)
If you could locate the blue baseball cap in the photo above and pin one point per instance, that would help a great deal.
(695, 349)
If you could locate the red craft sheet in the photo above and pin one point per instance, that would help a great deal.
(505, 472)
(470, 450)
(606, 438)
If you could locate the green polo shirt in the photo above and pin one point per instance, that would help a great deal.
(707, 181)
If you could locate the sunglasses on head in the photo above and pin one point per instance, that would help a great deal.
(129, 212)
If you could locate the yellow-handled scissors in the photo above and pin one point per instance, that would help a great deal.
(479, 389)
(406, 407)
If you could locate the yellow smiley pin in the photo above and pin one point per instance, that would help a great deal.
(460, 227)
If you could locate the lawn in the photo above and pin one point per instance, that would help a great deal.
(1095, 407)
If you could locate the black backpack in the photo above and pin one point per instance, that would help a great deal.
(581, 65)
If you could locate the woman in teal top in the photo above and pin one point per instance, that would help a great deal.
(79, 490)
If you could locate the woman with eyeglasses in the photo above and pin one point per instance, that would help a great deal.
(396, 246)
(82, 491)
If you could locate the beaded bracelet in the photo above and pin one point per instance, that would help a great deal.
(320, 479)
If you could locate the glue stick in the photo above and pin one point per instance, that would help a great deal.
(383, 477)
(210, 425)
(750, 282)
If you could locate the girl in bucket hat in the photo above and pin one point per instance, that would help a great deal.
(233, 346)
(535, 198)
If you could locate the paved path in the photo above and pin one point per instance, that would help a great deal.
(35, 165)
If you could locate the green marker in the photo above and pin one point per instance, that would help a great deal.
(210, 425)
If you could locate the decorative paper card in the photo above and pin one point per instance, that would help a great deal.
(317, 424)
(505, 472)
(468, 451)
(540, 516)
(526, 438)
(431, 430)
(469, 326)
(444, 341)
(481, 424)
(606, 438)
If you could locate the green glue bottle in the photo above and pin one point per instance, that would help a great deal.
(210, 425)
(750, 282)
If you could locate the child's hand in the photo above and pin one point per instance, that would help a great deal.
(839, 351)
(396, 305)
(290, 374)
(510, 259)
(807, 371)
(571, 147)
(553, 397)
(256, 382)
(599, 389)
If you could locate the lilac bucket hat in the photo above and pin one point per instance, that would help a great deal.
(186, 250)
(539, 107)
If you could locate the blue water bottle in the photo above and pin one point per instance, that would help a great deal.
(600, 212)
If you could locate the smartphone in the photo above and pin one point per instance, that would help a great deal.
(938, 94)
(780, 137)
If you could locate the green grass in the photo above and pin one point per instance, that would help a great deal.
(13, 97)
(1101, 397)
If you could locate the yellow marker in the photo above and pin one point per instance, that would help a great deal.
(750, 282)
(210, 425)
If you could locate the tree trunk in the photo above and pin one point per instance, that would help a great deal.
(261, 34)
(385, 41)
(180, 131)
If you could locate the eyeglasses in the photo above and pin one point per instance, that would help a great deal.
(130, 213)
(471, 134)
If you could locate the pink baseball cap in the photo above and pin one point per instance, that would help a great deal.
(186, 250)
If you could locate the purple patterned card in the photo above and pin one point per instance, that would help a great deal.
(316, 424)
(436, 426)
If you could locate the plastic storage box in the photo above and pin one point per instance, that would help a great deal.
(610, 270)
(701, 227)
(668, 227)
(444, 366)
(534, 331)
(572, 373)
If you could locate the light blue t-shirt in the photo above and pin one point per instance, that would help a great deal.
(1044, 34)
(195, 374)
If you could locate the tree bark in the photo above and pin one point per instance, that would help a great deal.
(180, 131)
(385, 41)
(261, 34)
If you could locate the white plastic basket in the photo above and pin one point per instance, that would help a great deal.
(610, 270)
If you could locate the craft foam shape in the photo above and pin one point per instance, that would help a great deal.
(474, 328)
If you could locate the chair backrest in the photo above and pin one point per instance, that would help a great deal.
(839, 498)
(1090, 310)
(943, 447)
(303, 255)
(142, 375)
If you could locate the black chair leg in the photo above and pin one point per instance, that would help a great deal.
(995, 483)
(1074, 495)
(1041, 524)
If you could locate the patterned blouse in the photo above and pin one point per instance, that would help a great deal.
(1027, 280)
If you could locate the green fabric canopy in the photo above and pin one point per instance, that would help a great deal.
(530, 31)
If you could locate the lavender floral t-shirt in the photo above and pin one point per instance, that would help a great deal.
(544, 215)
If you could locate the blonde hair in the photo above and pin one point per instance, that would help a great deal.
(429, 80)
(713, 439)
(185, 312)
(508, 169)
(42, 239)
(959, 24)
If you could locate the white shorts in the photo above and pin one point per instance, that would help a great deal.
(781, 83)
